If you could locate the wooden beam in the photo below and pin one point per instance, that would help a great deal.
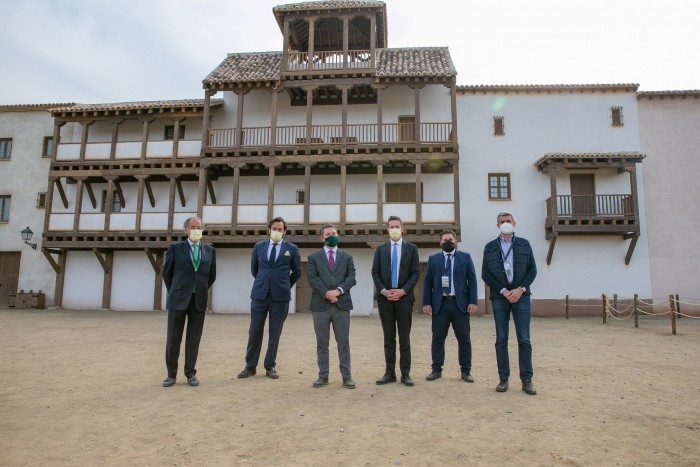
(107, 283)
(550, 253)
(149, 190)
(120, 193)
(62, 193)
(152, 256)
(60, 279)
(630, 250)
(104, 262)
(212, 195)
(52, 262)
(180, 192)
(91, 194)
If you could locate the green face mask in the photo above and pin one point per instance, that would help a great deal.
(331, 241)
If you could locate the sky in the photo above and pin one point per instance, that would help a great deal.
(100, 51)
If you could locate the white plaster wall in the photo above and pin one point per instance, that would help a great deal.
(231, 291)
(536, 124)
(84, 281)
(133, 281)
(23, 177)
(671, 142)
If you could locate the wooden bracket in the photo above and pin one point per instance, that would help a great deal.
(102, 260)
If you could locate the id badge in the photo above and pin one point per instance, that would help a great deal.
(445, 281)
(506, 266)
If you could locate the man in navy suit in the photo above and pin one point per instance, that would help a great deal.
(188, 272)
(450, 296)
(276, 266)
(331, 274)
(509, 269)
(395, 272)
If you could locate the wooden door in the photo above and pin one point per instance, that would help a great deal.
(303, 299)
(407, 128)
(9, 275)
(582, 194)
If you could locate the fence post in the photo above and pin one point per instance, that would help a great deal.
(673, 315)
(636, 313)
(567, 307)
(678, 307)
(605, 310)
(615, 308)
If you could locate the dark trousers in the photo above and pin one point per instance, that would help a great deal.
(341, 329)
(176, 327)
(502, 310)
(259, 310)
(396, 316)
(449, 314)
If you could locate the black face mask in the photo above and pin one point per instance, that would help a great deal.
(448, 246)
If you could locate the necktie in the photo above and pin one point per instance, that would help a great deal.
(394, 268)
(331, 261)
(195, 256)
(273, 253)
(448, 273)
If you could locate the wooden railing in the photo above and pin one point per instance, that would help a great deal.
(329, 60)
(362, 133)
(592, 206)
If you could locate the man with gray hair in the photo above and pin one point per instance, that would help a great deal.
(189, 271)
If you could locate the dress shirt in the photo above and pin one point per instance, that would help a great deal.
(452, 272)
(269, 249)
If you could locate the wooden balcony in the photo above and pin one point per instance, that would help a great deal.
(328, 60)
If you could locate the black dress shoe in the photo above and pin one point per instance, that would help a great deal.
(168, 382)
(272, 373)
(387, 378)
(502, 386)
(348, 383)
(529, 388)
(434, 375)
(246, 372)
(193, 381)
(320, 382)
(467, 377)
(405, 379)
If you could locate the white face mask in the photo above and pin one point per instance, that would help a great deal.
(395, 234)
(506, 228)
(275, 236)
(195, 235)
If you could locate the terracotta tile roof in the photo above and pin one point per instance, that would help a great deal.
(247, 67)
(32, 107)
(418, 61)
(546, 87)
(574, 157)
(661, 94)
(140, 105)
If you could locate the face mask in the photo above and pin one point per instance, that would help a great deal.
(448, 246)
(276, 236)
(331, 241)
(506, 228)
(395, 234)
(195, 235)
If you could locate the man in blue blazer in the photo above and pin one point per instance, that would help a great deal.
(188, 272)
(509, 269)
(450, 296)
(395, 272)
(331, 273)
(276, 266)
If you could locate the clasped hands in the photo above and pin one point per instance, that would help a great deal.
(513, 295)
(332, 295)
(393, 295)
(471, 309)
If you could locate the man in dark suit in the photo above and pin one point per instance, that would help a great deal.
(395, 272)
(276, 266)
(188, 272)
(509, 269)
(450, 296)
(331, 274)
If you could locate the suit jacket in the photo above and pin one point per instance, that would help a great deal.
(180, 277)
(409, 271)
(524, 267)
(279, 277)
(463, 279)
(322, 279)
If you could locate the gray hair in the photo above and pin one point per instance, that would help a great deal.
(505, 213)
(187, 222)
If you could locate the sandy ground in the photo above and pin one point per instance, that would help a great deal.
(84, 388)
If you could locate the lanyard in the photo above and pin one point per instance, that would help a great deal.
(510, 250)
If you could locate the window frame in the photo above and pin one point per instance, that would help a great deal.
(48, 143)
(171, 128)
(5, 214)
(616, 116)
(116, 203)
(4, 149)
(499, 187)
(499, 125)
(394, 185)
(41, 200)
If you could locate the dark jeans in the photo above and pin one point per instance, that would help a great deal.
(449, 314)
(502, 309)
(258, 314)
(176, 327)
(396, 316)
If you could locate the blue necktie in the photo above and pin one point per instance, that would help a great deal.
(273, 253)
(448, 273)
(394, 268)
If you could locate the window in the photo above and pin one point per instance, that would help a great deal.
(116, 205)
(616, 116)
(5, 208)
(41, 200)
(499, 128)
(5, 148)
(300, 196)
(170, 132)
(499, 186)
(402, 192)
(48, 146)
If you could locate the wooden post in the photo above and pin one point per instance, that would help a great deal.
(614, 312)
(636, 313)
(605, 310)
(678, 307)
(567, 307)
(673, 315)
